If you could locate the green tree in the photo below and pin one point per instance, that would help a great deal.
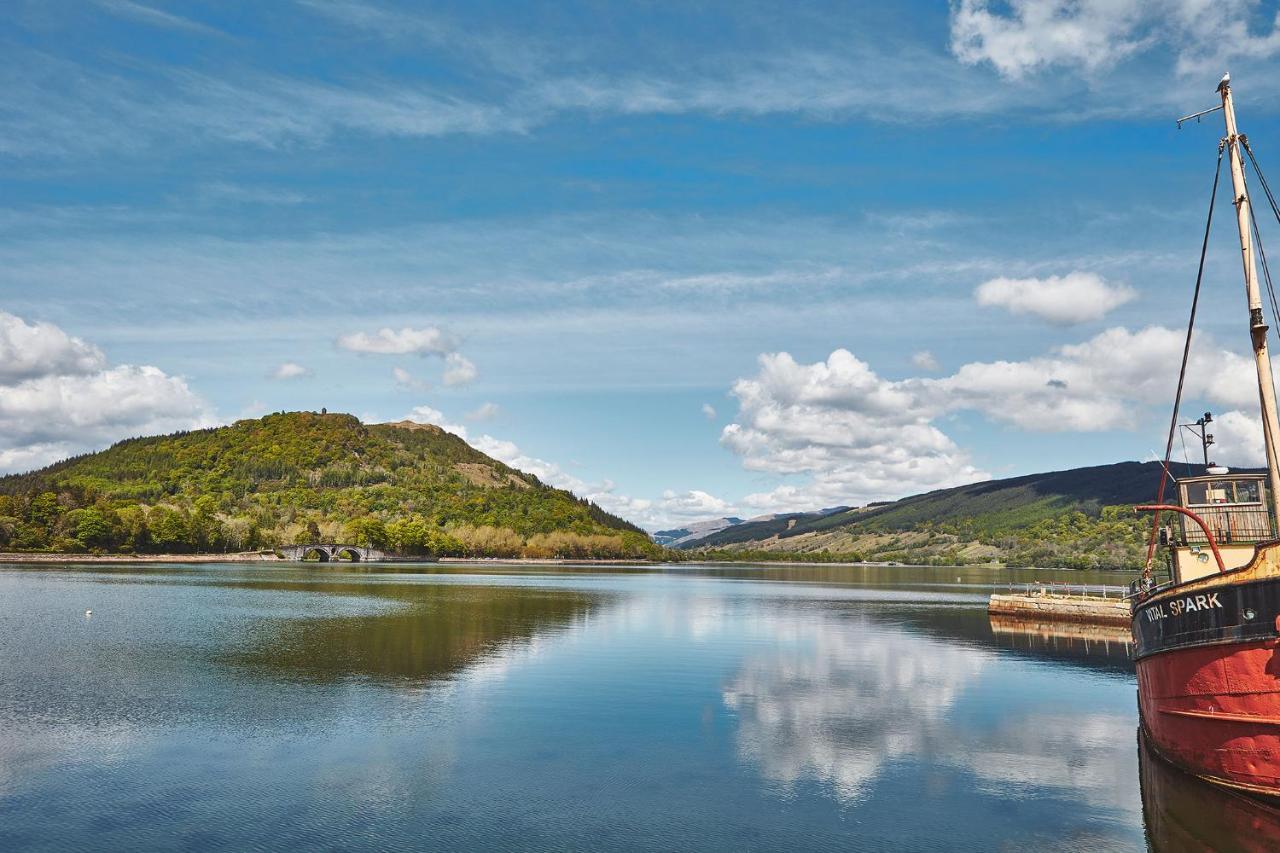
(169, 529)
(367, 531)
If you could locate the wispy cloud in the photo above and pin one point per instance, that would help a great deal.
(156, 17)
(218, 192)
(504, 81)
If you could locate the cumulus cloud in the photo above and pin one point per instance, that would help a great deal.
(407, 341)
(1100, 384)
(838, 433)
(1238, 437)
(458, 370)
(32, 350)
(1037, 33)
(856, 435)
(430, 415)
(692, 505)
(290, 370)
(709, 411)
(59, 397)
(426, 341)
(1078, 297)
(924, 360)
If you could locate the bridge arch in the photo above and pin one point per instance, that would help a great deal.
(319, 552)
(347, 553)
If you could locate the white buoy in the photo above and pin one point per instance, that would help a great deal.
(88, 613)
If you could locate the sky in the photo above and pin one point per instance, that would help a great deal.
(688, 260)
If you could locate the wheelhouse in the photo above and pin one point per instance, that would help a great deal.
(1233, 508)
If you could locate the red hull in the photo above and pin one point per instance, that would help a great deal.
(1215, 710)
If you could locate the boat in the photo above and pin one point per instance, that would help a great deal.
(1207, 640)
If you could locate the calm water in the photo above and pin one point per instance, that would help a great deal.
(235, 707)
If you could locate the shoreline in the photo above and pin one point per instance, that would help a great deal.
(269, 557)
(237, 557)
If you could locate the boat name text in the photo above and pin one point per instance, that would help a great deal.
(1179, 606)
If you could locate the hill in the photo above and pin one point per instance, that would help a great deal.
(1081, 517)
(301, 477)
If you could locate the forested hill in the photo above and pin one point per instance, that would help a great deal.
(301, 477)
(1081, 517)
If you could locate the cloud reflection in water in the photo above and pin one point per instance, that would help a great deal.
(846, 695)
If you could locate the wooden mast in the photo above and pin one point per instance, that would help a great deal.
(1257, 325)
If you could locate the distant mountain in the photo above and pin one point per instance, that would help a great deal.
(681, 535)
(302, 477)
(1081, 516)
(699, 532)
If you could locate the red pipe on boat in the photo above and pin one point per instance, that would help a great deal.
(1213, 544)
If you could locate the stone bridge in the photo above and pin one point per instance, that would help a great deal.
(324, 552)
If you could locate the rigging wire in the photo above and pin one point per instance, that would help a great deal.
(1257, 235)
(1266, 269)
(1182, 372)
(1262, 257)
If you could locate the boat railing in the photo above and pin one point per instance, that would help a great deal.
(1230, 523)
(1050, 589)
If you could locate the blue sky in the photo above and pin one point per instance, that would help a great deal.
(690, 260)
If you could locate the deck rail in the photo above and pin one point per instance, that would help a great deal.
(1230, 523)
(1051, 589)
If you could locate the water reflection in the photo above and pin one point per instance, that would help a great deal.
(843, 697)
(424, 632)
(850, 696)
(1184, 814)
(555, 709)
(1094, 645)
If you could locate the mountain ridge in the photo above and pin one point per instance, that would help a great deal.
(1078, 517)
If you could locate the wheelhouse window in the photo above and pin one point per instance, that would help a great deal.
(1216, 492)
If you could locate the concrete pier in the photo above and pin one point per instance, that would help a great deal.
(1044, 603)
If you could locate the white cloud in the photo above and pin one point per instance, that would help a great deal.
(458, 370)
(856, 436)
(409, 382)
(290, 370)
(1238, 437)
(1102, 383)
(1078, 297)
(76, 403)
(32, 350)
(155, 17)
(484, 412)
(63, 107)
(840, 434)
(1090, 34)
(58, 397)
(425, 341)
(709, 411)
(924, 360)
(1094, 36)
(692, 505)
